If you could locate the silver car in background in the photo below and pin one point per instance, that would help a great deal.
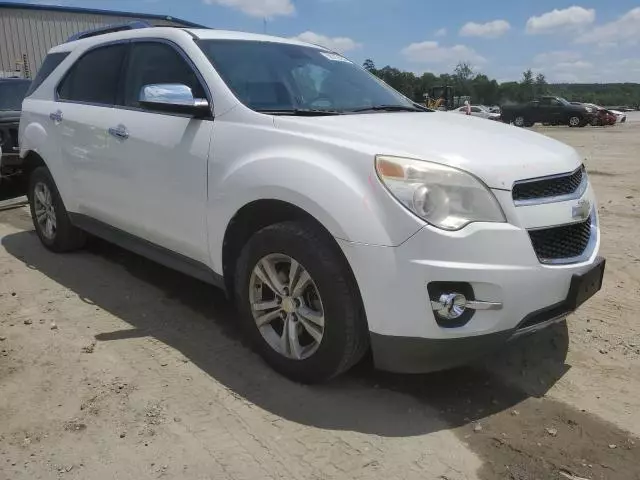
(478, 111)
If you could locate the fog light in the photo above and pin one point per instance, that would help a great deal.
(450, 305)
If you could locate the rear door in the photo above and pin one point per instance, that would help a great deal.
(84, 111)
(533, 112)
(161, 158)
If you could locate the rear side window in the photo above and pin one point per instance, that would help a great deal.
(50, 63)
(95, 76)
(152, 63)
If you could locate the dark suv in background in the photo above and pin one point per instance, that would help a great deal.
(12, 92)
(550, 110)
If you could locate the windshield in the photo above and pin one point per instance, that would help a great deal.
(12, 93)
(272, 77)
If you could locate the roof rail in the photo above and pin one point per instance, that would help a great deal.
(109, 29)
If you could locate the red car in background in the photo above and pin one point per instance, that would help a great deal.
(603, 117)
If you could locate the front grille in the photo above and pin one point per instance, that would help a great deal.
(548, 187)
(8, 138)
(558, 243)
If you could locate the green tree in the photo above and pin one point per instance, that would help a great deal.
(369, 65)
(527, 88)
(463, 74)
(485, 90)
(540, 84)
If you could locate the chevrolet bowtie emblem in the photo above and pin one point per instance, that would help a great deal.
(582, 210)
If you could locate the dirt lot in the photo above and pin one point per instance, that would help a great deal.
(112, 367)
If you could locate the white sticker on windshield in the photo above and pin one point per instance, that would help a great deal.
(334, 57)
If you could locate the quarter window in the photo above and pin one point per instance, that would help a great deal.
(155, 63)
(50, 63)
(95, 76)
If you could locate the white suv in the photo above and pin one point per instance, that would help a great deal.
(340, 215)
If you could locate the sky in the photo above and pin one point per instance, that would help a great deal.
(568, 41)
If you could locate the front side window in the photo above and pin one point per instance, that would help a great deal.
(156, 63)
(95, 76)
(272, 77)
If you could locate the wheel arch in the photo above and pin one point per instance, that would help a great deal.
(257, 215)
(31, 160)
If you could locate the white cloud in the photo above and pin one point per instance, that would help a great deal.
(58, 3)
(626, 29)
(433, 53)
(558, 20)
(258, 8)
(338, 44)
(579, 64)
(440, 33)
(557, 56)
(493, 29)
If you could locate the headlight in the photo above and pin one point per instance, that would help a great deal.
(443, 196)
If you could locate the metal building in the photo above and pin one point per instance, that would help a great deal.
(28, 31)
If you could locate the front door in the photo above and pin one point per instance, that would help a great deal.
(550, 110)
(163, 156)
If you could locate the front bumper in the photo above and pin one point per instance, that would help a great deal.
(10, 156)
(496, 259)
(10, 160)
(422, 355)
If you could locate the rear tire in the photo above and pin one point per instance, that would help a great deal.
(519, 121)
(50, 217)
(343, 336)
(575, 121)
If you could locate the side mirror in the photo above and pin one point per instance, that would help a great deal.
(173, 98)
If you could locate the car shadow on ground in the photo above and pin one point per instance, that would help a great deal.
(197, 320)
(497, 408)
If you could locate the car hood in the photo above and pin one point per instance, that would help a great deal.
(498, 154)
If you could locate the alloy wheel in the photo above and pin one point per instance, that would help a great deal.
(286, 306)
(44, 210)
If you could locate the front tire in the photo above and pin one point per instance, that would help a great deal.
(299, 303)
(50, 217)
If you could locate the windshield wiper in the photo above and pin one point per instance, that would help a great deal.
(301, 112)
(389, 108)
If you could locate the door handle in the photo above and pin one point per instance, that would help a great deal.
(56, 116)
(120, 132)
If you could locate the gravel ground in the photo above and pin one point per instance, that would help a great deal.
(114, 367)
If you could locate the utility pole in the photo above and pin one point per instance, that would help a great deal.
(264, 20)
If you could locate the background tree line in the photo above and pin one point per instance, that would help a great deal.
(484, 90)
